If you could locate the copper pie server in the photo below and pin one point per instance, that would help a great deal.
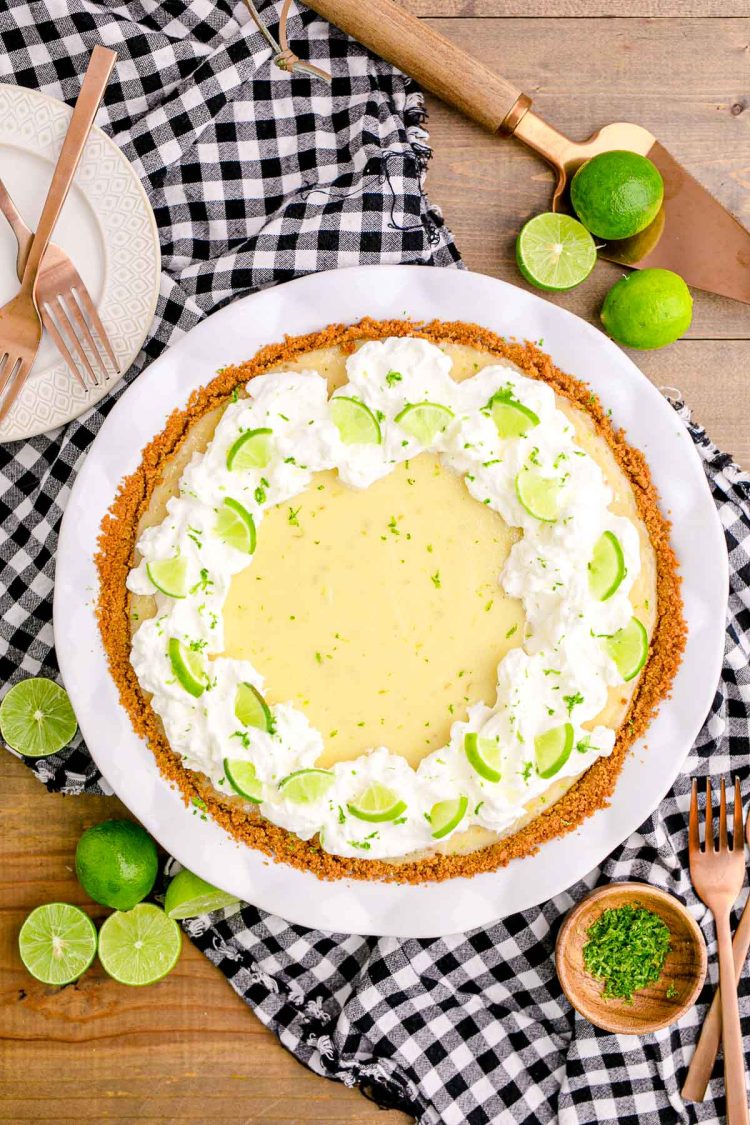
(692, 234)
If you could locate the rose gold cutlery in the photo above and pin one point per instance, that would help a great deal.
(718, 874)
(20, 323)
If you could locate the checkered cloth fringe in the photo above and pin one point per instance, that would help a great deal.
(256, 177)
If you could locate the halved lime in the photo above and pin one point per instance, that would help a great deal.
(377, 803)
(242, 777)
(483, 755)
(188, 895)
(140, 946)
(552, 749)
(512, 418)
(355, 422)
(447, 815)
(607, 566)
(555, 252)
(169, 576)
(424, 420)
(252, 450)
(251, 708)
(539, 495)
(235, 526)
(36, 718)
(304, 787)
(57, 943)
(628, 647)
(188, 666)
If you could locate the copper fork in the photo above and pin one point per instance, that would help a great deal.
(718, 875)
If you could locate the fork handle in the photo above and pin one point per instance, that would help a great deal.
(734, 1059)
(84, 112)
(16, 223)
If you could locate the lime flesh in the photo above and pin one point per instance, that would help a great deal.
(304, 787)
(236, 527)
(251, 708)
(377, 804)
(57, 943)
(555, 252)
(648, 309)
(424, 420)
(242, 777)
(483, 755)
(355, 422)
(445, 816)
(538, 495)
(188, 667)
(36, 718)
(628, 647)
(552, 749)
(169, 576)
(116, 863)
(607, 566)
(617, 194)
(140, 946)
(188, 896)
(252, 450)
(512, 419)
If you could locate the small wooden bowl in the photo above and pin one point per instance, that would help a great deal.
(651, 1009)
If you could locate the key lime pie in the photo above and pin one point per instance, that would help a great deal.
(391, 600)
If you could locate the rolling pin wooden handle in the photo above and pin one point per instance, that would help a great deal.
(430, 59)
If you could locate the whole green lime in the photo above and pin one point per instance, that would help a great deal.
(648, 309)
(116, 863)
(617, 194)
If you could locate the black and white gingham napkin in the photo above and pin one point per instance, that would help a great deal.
(256, 177)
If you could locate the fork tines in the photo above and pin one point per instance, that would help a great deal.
(738, 828)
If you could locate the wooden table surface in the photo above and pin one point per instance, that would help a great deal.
(188, 1048)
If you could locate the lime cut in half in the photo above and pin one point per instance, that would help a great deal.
(483, 755)
(377, 804)
(445, 816)
(607, 566)
(251, 708)
(552, 749)
(538, 495)
(251, 450)
(236, 527)
(169, 576)
(628, 647)
(57, 943)
(36, 718)
(512, 419)
(139, 947)
(188, 667)
(304, 787)
(355, 422)
(555, 252)
(188, 896)
(242, 777)
(424, 420)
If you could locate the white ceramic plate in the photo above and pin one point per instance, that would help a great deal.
(235, 333)
(108, 228)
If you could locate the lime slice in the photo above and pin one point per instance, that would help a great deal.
(140, 946)
(424, 420)
(555, 252)
(539, 495)
(483, 755)
(447, 815)
(57, 943)
(355, 422)
(378, 803)
(188, 667)
(512, 418)
(304, 787)
(188, 896)
(628, 647)
(117, 863)
(552, 749)
(169, 576)
(236, 527)
(241, 776)
(252, 450)
(36, 718)
(251, 708)
(607, 566)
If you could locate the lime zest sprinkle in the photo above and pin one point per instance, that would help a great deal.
(626, 949)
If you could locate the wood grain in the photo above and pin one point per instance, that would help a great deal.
(580, 9)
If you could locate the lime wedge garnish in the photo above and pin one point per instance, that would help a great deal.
(483, 755)
(628, 647)
(607, 566)
(57, 943)
(424, 420)
(378, 803)
(447, 815)
(188, 896)
(539, 495)
(512, 418)
(304, 787)
(36, 718)
(552, 749)
(169, 576)
(555, 252)
(236, 527)
(188, 667)
(140, 946)
(242, 777)
(355, 422)
(252, 450)
(251, 708)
